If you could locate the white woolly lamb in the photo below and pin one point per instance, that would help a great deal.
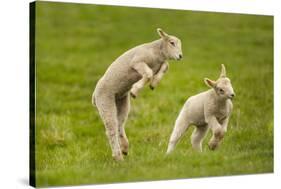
(209, 109)
(130, 72)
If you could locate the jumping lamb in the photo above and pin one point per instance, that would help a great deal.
(129, 73)
(209, 109)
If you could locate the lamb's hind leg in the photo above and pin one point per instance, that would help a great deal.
(123, 108)
(180, 127)
(197, 137)
(108, 113)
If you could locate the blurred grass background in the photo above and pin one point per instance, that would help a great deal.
(75, 43)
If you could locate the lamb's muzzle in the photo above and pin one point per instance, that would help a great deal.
(231, 96)
(180, 56)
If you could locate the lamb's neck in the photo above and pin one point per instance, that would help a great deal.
(158, 48)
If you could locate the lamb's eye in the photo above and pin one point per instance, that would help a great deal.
(172, 43)
(221, 90)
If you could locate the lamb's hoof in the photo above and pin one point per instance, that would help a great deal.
(167, 153)
(125, 148)
(118, 158)
(196, 149)
(151, 87)
(133, 95)
(212, 146)
(219, 134)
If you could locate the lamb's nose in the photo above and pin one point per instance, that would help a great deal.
(180, 56)
(232, 95)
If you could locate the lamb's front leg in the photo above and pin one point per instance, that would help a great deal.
(225, 124)
(137, 87)
(218, 133)
(147, 75)
(158, 76)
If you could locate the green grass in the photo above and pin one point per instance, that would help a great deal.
(74, 46)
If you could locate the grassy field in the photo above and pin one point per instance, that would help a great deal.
(74, 46)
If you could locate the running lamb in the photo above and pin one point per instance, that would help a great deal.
(209, 109)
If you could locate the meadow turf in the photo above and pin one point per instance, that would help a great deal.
(76, 43)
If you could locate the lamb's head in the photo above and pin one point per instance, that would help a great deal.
(222, 86)
(171, 45)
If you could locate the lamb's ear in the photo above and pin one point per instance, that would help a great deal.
(223, 72)
(210, 83)
(162, 34)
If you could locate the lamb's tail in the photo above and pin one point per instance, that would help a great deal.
(93, 99)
